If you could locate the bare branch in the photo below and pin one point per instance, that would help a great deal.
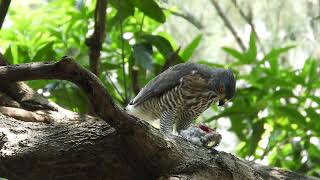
(114, 86)
(23, 115)
(95, 41)
(22, 93)
(248, 19)
(66, 69)
(135, 80)
(188, 17)
(172, 59)
(123, 63)
(228, 24)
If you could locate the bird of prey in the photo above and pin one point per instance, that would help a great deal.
(181, 93)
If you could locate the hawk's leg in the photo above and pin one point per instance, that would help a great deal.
(182, 124)
(166, 121)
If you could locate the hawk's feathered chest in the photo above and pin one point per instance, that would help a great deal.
(189, 98)
(195, 92)
(181, 93)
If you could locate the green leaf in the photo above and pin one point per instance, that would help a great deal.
(275, 53)
(235, 53)
(125, 9)
(161, 43)
(105, 65)
(314, 116)
(315, 99)
(292, 114)
(309, 72)
(285, 93)
(257, 131)
(273, 57)
(233, 111)
(151, 9)
(70, 97)
(275, 136)
(142, 56)
(8, 55)
(239, 126)
(188, 51)
(23, 54)
(211, 64)
(252, 51)
(247, 57)
(45, 53)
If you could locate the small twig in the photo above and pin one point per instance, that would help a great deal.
(134, 72)
(228, 24)
(94, 42)
(141, 25)
(135, 80)
(4, 6)
(248, 19)
(188, 17)
(123, 63)
(114, 86)
(23, 115)
(173, 58)
(278, 14)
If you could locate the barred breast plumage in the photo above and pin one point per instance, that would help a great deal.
(180, 93)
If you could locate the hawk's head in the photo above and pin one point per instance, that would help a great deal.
(223, 84)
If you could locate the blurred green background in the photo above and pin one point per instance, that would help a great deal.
(274, 117)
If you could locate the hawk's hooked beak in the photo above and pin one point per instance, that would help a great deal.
(222, 101)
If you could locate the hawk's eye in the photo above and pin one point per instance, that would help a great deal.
(221, 89)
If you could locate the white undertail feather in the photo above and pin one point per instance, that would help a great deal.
(137, 112)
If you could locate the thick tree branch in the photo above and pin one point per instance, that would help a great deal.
(95, 41)
(4, 6)
(158, 155)
(228, 24)
(23, 94)
(23, 115)
(79, 147)
(134, 130)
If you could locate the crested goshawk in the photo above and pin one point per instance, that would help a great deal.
(181, 93)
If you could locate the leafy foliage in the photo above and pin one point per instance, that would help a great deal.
(276, 109)
(274, 113)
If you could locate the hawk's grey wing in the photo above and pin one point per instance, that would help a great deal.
(169, 79)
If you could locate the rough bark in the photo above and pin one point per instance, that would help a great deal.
(22, 95)
(82, 148)
(90, 148)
